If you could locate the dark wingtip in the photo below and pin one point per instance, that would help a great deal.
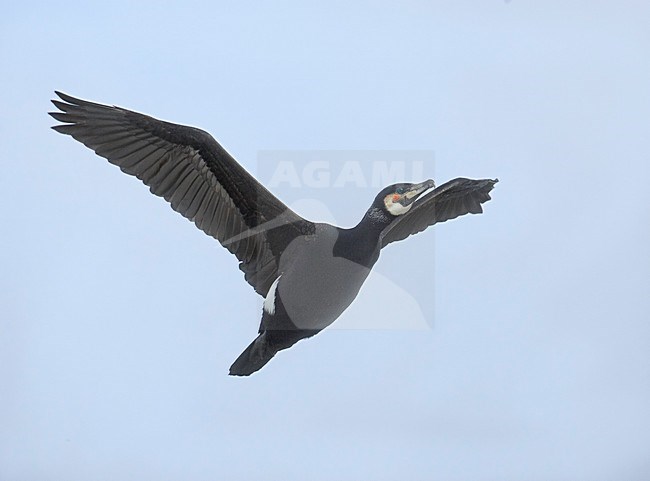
(66, 97)
(60, 116)
(60, 105)
(491, 183)
(64, 129)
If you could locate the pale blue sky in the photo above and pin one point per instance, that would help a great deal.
(120, 318)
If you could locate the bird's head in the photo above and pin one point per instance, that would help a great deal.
(397, 199)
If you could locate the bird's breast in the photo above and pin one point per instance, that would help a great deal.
(316, 285)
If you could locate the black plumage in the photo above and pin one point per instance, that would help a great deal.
(308, 272)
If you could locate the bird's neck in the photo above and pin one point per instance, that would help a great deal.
(373, 223)
(361, 243)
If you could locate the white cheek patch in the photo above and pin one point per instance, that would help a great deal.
(395, 208)
(269, 300)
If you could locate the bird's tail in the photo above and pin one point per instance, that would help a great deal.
(254, 357)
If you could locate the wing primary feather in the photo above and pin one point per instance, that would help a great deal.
(68, 129)
(63, 117)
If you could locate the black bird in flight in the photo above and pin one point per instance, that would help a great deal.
(308, 273)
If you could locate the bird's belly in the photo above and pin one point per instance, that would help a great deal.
(316, 287)
(313, 299)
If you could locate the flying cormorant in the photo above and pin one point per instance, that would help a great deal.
(308, 273)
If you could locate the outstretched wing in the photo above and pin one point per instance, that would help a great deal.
(191, 171)
(448, 201)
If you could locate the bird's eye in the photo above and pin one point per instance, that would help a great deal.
(400, 190)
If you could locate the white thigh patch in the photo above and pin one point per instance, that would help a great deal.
(269, 301)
